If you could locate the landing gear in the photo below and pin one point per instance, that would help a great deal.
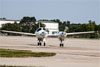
(44, 43)
(61, 45)
(41, 40)
(39, 44)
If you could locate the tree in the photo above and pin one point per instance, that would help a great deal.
(11, 27)
(27, 23)
(68, 23)
(98, 28)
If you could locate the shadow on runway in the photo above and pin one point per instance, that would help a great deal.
(56, 47)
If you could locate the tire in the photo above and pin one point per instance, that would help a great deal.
(40, 44)
(60, 45)
(44, 44)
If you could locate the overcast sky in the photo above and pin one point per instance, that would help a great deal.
(76, 11)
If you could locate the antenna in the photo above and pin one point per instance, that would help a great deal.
(39, 24)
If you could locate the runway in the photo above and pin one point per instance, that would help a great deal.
(75, 53)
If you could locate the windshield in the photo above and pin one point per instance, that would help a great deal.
(44, 29)
(38, 29)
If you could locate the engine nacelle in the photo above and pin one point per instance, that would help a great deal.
(62, 36)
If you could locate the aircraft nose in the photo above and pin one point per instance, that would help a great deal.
(62, 33)
(43, 33)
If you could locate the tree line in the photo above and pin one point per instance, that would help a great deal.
(29, 24)
(78, 27)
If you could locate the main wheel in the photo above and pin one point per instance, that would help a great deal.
(44, 43)
(60, 45)
(38, 43)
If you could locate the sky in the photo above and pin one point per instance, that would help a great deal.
(76, 11)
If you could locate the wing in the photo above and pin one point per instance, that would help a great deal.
(74, 33)
(14, 32)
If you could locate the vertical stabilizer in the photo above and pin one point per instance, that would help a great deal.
(66, 28)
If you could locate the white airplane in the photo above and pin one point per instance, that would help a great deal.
(42, 33)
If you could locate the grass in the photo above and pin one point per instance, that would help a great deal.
(17, 66)
(11, 66)
(23, 53)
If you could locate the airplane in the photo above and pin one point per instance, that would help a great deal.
(42, 34)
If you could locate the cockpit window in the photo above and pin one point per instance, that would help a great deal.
(44, 29)
(38, 29)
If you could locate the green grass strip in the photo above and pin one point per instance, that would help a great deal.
(18, 66)
(23, 53)
(11, 66)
